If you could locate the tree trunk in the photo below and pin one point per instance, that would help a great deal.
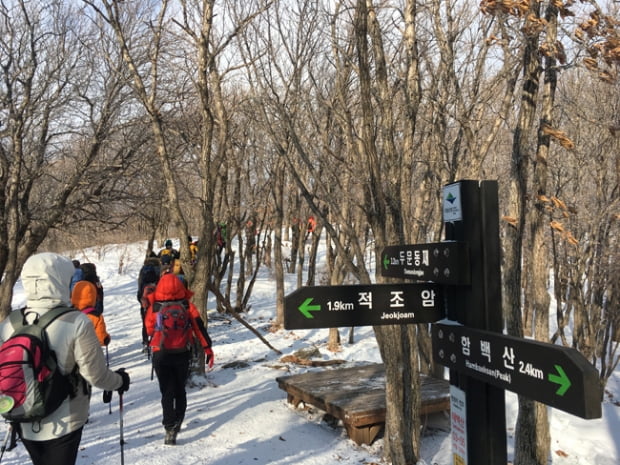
(278, 194)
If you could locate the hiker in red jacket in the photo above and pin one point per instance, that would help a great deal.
(174, 324)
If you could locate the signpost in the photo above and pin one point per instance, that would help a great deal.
(471, 215)
(440, 262)
(555, 375)
(363, 305)
(483, 362)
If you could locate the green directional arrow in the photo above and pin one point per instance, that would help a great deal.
(561, 379)
(305, 308)
(386, 262)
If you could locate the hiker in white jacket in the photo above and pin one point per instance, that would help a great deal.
(56, 438)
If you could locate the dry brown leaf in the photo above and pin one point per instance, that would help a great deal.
(607, 77)
(559, 136)
(571, 239)
(557, 226)
(558, 203)
(510, 220)
(566, 143)
(579, 34)
(590, 63)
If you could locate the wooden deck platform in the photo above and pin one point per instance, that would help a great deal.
(356, 396)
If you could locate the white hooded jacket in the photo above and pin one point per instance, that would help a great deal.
(46, 278)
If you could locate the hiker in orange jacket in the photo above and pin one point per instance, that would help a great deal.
(172, 366)
(84, 298)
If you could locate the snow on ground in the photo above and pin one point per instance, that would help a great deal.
(238, 415)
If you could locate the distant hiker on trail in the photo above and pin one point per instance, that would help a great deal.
(78, 274)
(173, 322)
(177, 269)
(220, 236)
(166, 264)
(169, 250)
(55, 439)
(193, 250)
(89, 271)
(84, 298)
(147, 280)
(311, 225)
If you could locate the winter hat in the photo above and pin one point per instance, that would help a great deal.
(90, 272)
(84, 295)
(168, 244)
(151, 275)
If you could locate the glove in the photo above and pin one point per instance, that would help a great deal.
(126, 381)
(107, 397)
(209, 357)
(106, 341)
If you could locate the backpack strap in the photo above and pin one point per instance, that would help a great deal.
(18, 317)
(158, 304)
(51, 315)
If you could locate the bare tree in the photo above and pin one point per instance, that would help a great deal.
(542, 53)
(59, 104)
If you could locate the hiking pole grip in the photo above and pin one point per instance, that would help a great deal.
(122, 439)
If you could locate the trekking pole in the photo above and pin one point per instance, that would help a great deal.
(6, 440)
(120, 410)
(107, 361)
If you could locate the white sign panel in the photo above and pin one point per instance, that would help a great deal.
(458, 421)
(452, 210)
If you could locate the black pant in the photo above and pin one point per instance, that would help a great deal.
(172, 372)
(59, 451)
(145, 336)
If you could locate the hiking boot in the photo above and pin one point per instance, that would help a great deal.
(171, 437)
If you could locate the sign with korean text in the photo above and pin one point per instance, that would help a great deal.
(458, 425)
(363, 305)
(439, 262)
(555, 375)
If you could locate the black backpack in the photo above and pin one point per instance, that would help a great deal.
(149, 276)
(29, 371)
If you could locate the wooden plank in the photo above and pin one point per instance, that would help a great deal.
(356, 395)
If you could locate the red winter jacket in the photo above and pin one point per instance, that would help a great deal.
(170, 287)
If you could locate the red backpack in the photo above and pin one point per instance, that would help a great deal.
(29, 373)
(173, 322)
